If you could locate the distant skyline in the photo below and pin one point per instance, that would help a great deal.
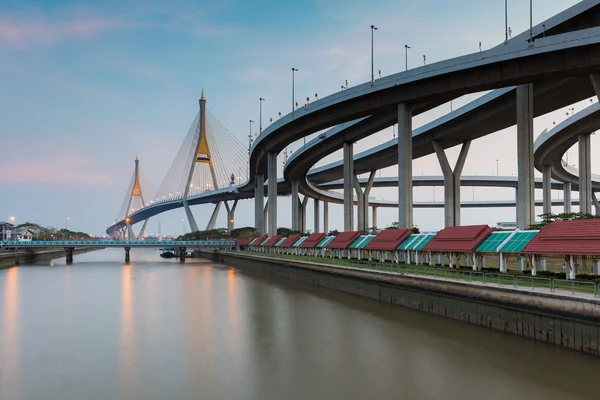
(88, 85)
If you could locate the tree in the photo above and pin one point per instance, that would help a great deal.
(334, 232)
(287, 231)
(548, 218)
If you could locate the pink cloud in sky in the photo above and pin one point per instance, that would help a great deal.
(20, 31)
(55, 170)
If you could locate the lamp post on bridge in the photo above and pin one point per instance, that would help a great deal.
(293, 95)
(66, 224)
(260, 115)
(373, 28)
(406, 47)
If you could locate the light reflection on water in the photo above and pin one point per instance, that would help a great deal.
(160, 330)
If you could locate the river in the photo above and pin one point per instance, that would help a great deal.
(156, 329)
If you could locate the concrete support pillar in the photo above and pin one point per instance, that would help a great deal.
(374, 217)
(265, 213)
(366, 194)
(567, 196)
(405, 190)
(69, 255)
(182, 254)
(348, 187)
(325, 217)
(317, 224)
(295, 206)
(230, 215)
(360, 206)
(525, 192)
(127, 255)
(259, 203)
(547, 189)
(596, 203)
(533, 266)
(213, 217)
(585, 174)
(596, 267)
(452, 182)
(302, 214)
(571, 272)
(272, 191)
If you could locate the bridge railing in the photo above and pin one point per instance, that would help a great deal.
(118, 243)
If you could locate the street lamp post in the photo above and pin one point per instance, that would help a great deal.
(373, 28)
(67, 224)
(505, 21)
(530, 21)
(497, 173)
(260, 115)
(406, 47)
(293, 97)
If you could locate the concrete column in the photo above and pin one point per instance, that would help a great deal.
(452, 182)
(272, 191)
(547, 188)
(596, 203)
(405, 195)
(303, 214)
(127, 256)
(182, 254)
(374, 217)
(295, 209)
(596, 267)
(69, 255)
(360, 206)
(585, 174)
(366, 194)
(230, 215)
(325, 217)
(265, 213)
(259, 203)
(567, 196)
(348, 187)
(317, 225)
(213, 218)
(525, 194)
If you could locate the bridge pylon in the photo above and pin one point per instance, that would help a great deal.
(134, 200)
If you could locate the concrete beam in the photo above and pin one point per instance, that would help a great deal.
(190, 217)
(547, 189)
(360, 207)
(525, 192)
(272, 192)
(585, 174)
(452, 182)
(366, 193)
(259, 203)
(405, 195)
(348, 187)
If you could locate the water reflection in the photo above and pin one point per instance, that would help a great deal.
(10, 349)
(127, 337)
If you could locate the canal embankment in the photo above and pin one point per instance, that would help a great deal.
(11, 259)
(566, 320)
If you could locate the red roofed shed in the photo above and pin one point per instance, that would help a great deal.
(388, 239)
(580, 237)
(272, 240)
(244, 241)
(290, 240)
(462, 239)
(343, 240)
(312, 240)
(259, 240)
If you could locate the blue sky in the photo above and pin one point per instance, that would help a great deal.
(85, 86)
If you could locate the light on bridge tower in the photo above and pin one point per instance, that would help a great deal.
(136, 191)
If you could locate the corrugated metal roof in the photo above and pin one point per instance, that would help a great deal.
(464, 239)
(409, 242)
(289, 241)
(258, 240)
(427, 237)
(518, 242)
(325, 241)
(312, 240)
(343, 240)
(388, 239)
(244, 241)
(278, 244)
(272, 240)
(580, 237)
(299, 241)
(492, 243)
(362, 241)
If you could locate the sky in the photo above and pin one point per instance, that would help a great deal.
(86, 86)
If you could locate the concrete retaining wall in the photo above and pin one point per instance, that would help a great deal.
(552, 318)
(8, 260)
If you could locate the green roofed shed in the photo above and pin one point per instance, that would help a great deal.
(518, 242)
(427, 237)
(506, 242)
(362, 241)
(325, 241)
(492, 243)
(299, 241)
(409, 242)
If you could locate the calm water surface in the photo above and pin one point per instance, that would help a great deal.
(159, 330)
